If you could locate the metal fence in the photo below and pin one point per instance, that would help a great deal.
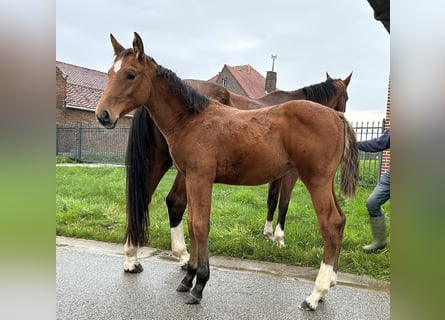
(92, 144)
(370, 162)
(97, 144)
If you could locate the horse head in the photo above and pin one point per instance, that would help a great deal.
(339, 99)
(127, 75)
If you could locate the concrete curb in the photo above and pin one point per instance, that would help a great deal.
(219, 262)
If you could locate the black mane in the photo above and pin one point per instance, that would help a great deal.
(320, 92)
(194, 101)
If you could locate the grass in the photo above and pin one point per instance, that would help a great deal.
(90, 204)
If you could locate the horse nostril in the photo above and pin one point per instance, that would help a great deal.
(105, 116)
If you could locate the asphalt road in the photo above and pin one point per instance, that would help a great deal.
(91, 284)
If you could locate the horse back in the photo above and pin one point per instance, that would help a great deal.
(241, 144)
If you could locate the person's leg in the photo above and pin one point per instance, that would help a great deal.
(378, 197)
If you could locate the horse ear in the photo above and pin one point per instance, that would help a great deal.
(117, 47)
(348, 79)
(328, 77)
(138, 46)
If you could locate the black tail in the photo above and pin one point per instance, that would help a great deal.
(138, 167)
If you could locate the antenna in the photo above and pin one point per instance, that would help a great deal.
(274, 57)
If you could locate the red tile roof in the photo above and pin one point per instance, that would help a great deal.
(83, 86)
(250, 80)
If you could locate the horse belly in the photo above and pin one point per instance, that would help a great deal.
(252, 170)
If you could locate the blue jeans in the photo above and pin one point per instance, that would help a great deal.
(379, 196)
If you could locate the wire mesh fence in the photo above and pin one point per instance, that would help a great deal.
(97, 144)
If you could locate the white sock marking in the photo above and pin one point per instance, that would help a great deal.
(131, 257)
(279, 236)
(268, 230)
(322, 285)
(178, 244)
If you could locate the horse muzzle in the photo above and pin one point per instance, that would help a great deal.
(104, 118)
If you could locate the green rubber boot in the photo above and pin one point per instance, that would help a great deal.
(378, 228)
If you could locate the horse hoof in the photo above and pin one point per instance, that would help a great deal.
(192, 300)
(183, 288)
(305, 306)
(137, 269)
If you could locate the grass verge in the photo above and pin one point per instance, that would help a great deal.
(90, 204)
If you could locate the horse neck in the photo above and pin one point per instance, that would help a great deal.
(281, 96)
(166, 108)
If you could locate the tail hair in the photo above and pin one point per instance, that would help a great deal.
(137, 168)
(349, 163)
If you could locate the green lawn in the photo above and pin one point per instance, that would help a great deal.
(90, 204)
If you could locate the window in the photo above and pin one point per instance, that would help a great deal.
(224, 82)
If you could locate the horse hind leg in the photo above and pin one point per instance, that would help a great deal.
(187, 282)
(131, 263)
(331, 222)
(287, 185)
(272, 201)
(176, 203)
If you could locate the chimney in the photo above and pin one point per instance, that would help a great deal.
(271, 81)
(271, 77)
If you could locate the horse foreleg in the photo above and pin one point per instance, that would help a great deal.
(272, 201)
(331, 223)
(131, 263)
(176, 204)
(199, 194)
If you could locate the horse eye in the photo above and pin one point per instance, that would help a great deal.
(131, 76)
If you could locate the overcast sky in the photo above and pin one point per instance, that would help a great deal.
(195, 38)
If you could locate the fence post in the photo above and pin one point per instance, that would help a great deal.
(78, 155)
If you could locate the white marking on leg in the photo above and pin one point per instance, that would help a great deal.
(131, 257)
(117, 65)
(179, 249)
(268, 230)
(279, 236)
(322, 285)
(333, 279)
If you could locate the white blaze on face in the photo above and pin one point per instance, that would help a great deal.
(117, 65)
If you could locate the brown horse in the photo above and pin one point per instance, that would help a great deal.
(211, 143)
(143, 152)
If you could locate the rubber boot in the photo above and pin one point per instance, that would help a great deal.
(378, 228)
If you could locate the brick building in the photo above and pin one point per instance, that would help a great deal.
(243, 80)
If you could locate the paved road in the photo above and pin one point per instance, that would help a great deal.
(91, 284)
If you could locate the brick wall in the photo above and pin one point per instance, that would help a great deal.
(386, 156)
(232, 84)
